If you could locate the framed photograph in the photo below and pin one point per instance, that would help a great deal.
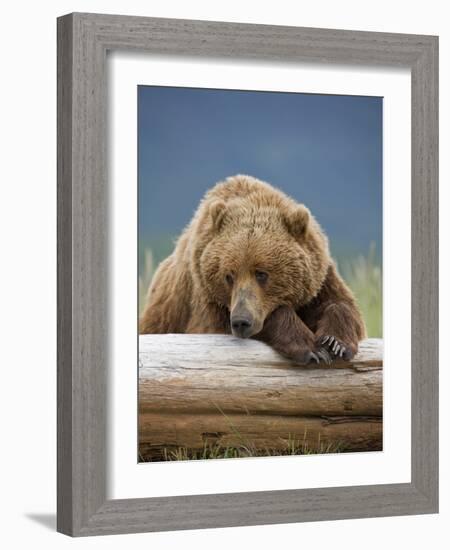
(247, 274)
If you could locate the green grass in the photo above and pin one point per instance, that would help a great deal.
(247, 450)
(145, 277)
(364, 276)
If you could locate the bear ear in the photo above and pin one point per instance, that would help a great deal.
(298, 220)
(217, 213)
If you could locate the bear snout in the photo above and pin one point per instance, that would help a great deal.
(241, 325)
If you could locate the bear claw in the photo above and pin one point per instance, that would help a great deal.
(325, 356)
(332, 345)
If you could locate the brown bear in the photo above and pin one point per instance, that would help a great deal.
(254, 263)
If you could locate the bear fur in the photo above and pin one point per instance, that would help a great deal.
(255, 263)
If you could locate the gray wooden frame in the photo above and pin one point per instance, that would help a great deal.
(83, 41)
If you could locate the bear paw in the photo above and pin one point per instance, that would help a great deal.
(331, 348)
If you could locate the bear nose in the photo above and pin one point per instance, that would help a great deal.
(241, 326)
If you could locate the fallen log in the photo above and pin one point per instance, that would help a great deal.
(197, 390)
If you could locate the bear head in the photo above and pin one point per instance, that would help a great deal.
(252, 256)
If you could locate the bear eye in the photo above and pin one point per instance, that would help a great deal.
(261, 276)
(229, 278)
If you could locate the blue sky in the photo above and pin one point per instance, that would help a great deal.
(323, 150)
